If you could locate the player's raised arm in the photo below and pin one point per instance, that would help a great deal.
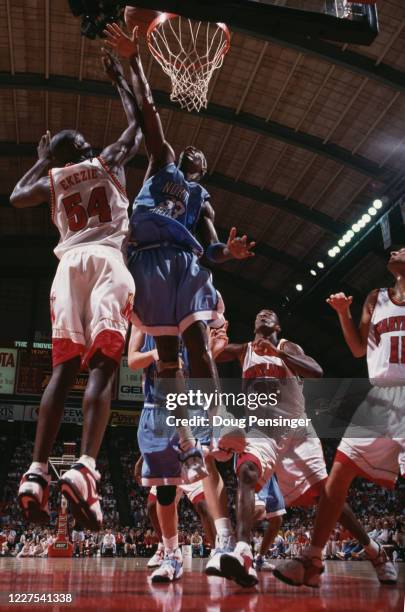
(159, 151)
(127, 145)
(232, 352)
(356, 337)
(219, 252)
(34, 188)
(136, 358)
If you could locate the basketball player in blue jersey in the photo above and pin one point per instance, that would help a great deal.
(161, 467)
(175, 295)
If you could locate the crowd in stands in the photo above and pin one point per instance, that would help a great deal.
(382, 513)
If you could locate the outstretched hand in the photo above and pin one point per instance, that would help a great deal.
(44, 146)
(124, 45)
(239, 247)
(112, 66)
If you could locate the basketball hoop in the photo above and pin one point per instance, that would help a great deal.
(189, 52)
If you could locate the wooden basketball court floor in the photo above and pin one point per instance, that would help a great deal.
(124, 584)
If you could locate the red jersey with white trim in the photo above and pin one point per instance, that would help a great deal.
(256, 368)
(89, 206)
(386, 342)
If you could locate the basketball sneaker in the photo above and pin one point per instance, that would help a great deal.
(157, 559)
(238, 565)
(223, 544)
(193, 468)
(80, 485)
(33, 495)
(303, 570)
(384, 568)
(262, 565)
(171, 568)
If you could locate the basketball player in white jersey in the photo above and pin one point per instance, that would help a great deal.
(91, 298)
(296, 455)
(380, 336)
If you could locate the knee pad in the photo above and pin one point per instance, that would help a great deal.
(166, 495)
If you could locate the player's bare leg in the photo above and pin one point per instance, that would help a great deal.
(332, 508)
(207, 522)
(80, 484)
(203, 366)
(238, 565)
(275, 523)
(169, 368)
(172, 567)
(151, 507)
(34, 486)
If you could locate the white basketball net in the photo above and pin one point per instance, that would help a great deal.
(189, 52)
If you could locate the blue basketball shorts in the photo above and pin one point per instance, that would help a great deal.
(172, 290)
(271, 499)
(158, 443)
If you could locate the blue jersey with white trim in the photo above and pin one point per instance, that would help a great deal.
(167, 210)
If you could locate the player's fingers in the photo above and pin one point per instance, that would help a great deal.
(117, 29)
(232, 233)
(251, 245)
(110, 30)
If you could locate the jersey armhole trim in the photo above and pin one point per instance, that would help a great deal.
(113, 177)
(53, 199)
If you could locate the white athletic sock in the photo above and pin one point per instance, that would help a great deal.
(372, 549)
(171, 544)
(37, 466)
(223, 527)
(88, 461)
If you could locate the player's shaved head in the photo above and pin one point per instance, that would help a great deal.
(69, 146)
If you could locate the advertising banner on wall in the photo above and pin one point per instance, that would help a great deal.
(8, 366)
(130, 383)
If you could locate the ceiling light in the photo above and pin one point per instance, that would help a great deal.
(342, 242)
(337, 250)
(366, 218)
(313, 272)
(356, 227)
(320, 265)
(331, 253)
(372, 211)
(299, 287)
(378, 204)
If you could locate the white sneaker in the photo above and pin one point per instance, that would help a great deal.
(303, 570)
(157, 559)
(33, 494)
(171, 568)
(223, 544)
(238, 565)
(384, 568)
(80, 486)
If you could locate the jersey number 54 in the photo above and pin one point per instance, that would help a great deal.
(78, 215)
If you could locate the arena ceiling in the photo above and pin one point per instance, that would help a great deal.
(300, 138)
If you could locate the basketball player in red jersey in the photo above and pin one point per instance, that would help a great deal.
(380, 336)
(295, 456)
(91, 298)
